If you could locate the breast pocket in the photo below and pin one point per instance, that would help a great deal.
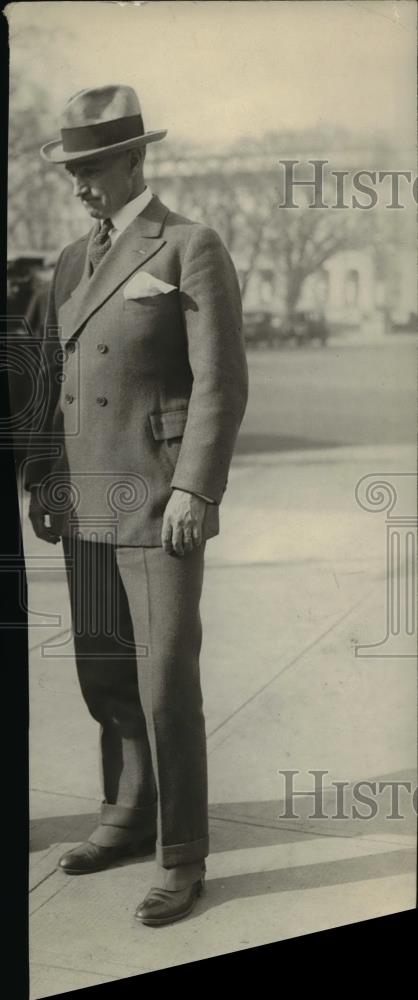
(150, 302)
(146, 302)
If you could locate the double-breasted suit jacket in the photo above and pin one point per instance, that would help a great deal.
(139, 394)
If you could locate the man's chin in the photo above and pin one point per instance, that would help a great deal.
(94, 210)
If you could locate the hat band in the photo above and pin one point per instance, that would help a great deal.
(85, 137)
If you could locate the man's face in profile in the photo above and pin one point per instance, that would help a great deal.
(103, 184)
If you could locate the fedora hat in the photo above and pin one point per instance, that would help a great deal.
(99, 121)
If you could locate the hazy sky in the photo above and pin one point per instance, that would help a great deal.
(213, 71)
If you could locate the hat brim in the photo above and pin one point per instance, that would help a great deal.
(53, 152)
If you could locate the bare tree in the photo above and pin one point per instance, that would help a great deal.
(236, 191)
(239, 195)
(300, 241)
(38, 218)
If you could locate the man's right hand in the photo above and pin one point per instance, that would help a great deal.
(37, 517)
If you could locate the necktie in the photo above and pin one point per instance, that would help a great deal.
(100, 244)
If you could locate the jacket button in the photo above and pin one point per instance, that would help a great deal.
(69, 398)
(103, 348)
(101, 400)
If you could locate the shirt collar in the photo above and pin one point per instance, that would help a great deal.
(125, 215)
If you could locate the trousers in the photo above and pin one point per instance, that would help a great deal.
(137, 636)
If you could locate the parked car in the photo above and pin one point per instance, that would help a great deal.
(28, 275)
(262, 327)
(306, 326)
(24, 272)
(404, 324)
(258, 330)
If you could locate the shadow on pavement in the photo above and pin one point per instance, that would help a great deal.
(310, 876)
(362, 808)
(239, 825)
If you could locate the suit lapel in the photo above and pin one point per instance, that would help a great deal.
(134, 247)
(70, 306)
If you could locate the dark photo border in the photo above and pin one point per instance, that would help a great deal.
(359, 952)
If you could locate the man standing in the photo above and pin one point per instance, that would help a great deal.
(142, 390)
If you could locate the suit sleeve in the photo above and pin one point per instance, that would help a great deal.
(41, 444)
(211, 304)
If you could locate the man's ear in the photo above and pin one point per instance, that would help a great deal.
(137, 158)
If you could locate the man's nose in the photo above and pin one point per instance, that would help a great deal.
(80, 187)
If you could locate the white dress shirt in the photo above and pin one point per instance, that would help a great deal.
(125, 215)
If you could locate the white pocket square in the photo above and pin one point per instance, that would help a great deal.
(143, 285)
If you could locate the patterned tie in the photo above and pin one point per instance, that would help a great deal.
(100, 244)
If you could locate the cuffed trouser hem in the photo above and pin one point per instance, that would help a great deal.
(120, 825)
(181, 854)
(180, 876)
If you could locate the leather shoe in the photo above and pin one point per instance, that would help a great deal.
(164, 906)
(91, 857)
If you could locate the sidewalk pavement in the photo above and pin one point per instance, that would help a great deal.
(295, 581)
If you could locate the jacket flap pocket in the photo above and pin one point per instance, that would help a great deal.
(169, 424)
